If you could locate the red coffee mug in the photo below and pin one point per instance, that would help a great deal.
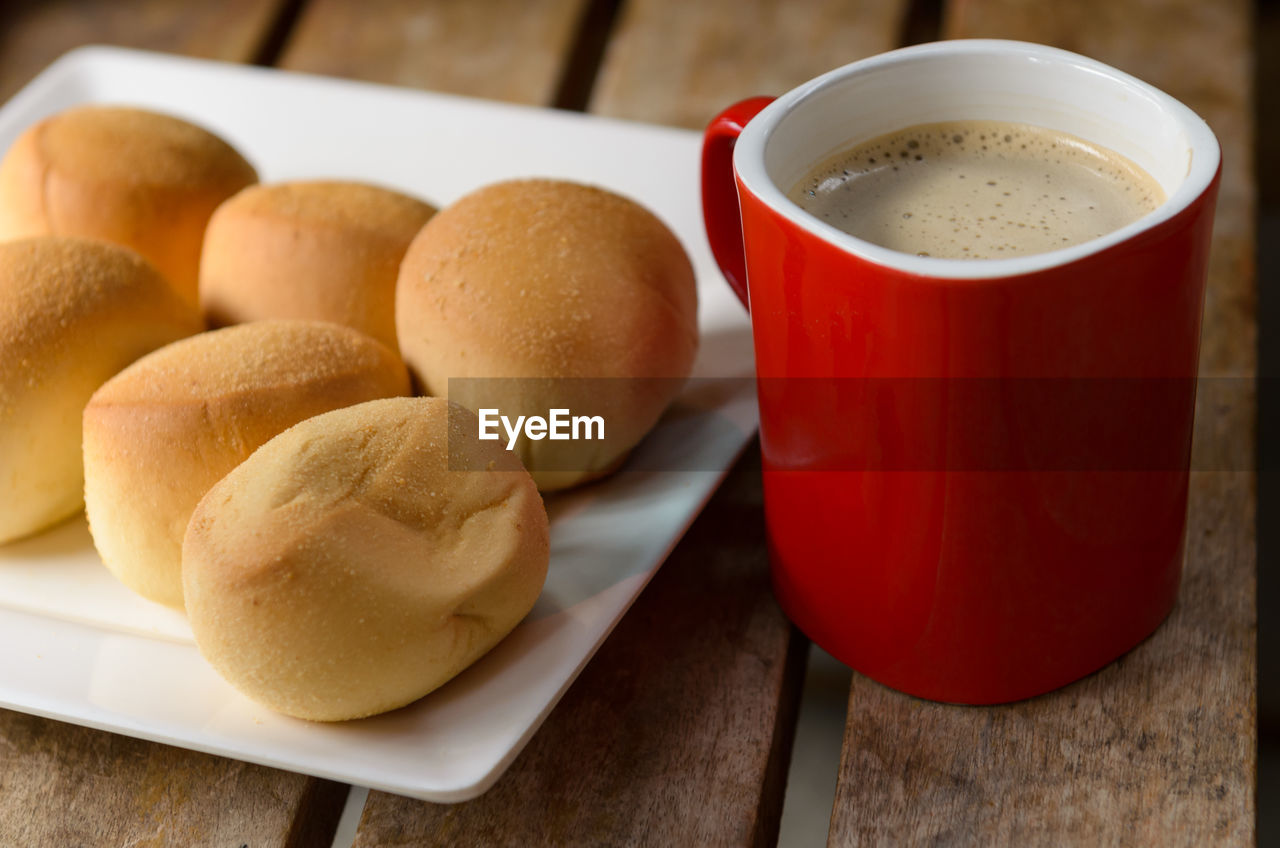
(975, 471)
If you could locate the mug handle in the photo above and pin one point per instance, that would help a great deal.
(720, 210)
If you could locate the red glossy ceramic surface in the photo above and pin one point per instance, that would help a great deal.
(942, 516)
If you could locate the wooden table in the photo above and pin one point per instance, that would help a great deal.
(679, 733)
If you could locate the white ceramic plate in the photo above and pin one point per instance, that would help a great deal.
(77, 646)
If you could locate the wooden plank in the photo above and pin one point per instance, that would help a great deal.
(677, 733)
(512, 50)
(33, 34)
(1158, 748)
(681, 63)
(63, 785)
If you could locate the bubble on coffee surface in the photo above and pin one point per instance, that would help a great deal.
(978, 190)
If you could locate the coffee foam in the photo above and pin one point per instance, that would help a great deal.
(977, 190)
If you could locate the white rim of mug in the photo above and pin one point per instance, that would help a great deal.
(748, 163)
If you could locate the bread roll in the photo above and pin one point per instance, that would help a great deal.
(362, 558)
(72, 313)
(542, 280)
(141, 179)
(164, 430)
(324, 250)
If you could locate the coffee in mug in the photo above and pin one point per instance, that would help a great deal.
(977, 190)
(933, 520)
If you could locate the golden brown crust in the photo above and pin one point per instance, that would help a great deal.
(73, 312)
(110, 142)
(347, 568)
(325, 250)
(163, 431)
(138, 178)
(253, 360)
(22, 175)
(545, 278)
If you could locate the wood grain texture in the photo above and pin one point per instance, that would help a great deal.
(1159, 747)
(62, 785)
(674, 62)
(677, 733)
(512, 50)
(1155, 749)
(35, 32)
